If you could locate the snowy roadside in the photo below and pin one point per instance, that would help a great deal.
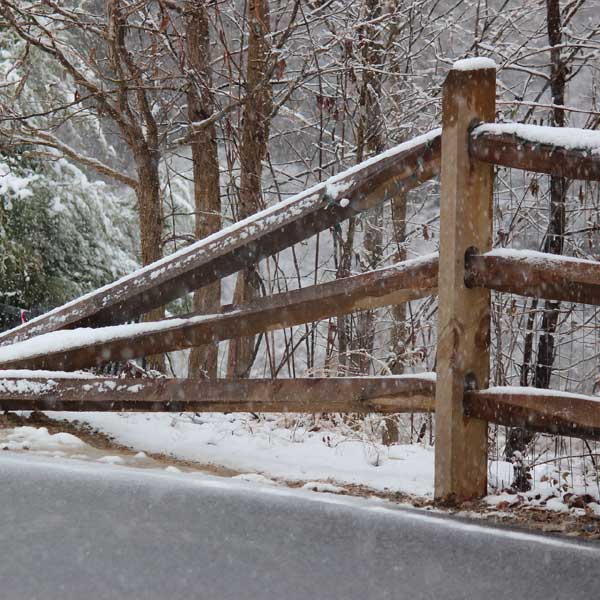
(291, 449)
(276, 450)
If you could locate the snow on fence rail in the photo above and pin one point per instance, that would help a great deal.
(568, 152)
(298, 218)
(403, 393)
(540, 410)
(536, 274)
(466, 269)
(549, 411)
(80, 348)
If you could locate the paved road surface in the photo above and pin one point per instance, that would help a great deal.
(82, 531)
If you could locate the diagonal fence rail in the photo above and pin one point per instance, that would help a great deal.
(82, 348)
(244, 243)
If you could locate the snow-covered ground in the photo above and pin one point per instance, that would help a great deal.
(274, 447)
(288, 449)
(62, 445)
(552, 488)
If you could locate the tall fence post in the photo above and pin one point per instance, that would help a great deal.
(464, 314)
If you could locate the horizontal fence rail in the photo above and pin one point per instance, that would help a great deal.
(80, 348)
(244, 243)
(540, 410)
(571, 153)
(404, 393)
(536, 274)
(547, 411)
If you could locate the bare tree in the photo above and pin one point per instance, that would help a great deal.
(205, 160)
(117, 76)
(258, 107)
(519, 438)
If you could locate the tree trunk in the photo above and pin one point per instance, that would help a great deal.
(399, 329)
(518, 438)
(554, 242)
(150, 215)
(344, 322)
(371, 140)
(253, 149)
(203, 359)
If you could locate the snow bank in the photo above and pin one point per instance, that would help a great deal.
(38, 439)
(238, 442)
(554, 486)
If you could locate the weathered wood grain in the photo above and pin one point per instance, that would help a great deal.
(308, 395)
(541, 275)
(509, 150)
(464, 314)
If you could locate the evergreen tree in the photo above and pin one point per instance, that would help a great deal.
(60, 233)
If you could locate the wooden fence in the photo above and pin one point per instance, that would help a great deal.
(462, 275)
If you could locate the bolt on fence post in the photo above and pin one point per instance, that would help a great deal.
(463, 332)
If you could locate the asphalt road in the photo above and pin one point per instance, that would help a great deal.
(82, 531)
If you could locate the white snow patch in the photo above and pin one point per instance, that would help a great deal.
(333, 189)
(533, 391)
(540, 258)
(112, 460)
(500, 474)
(594, 507)
(10, 183)
(473, 64)
(38, 439)
(319, 486)
(35, 374)
(239, 443)
(15, 381)
(255, 478)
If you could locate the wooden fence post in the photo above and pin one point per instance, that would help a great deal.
(464, 314)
